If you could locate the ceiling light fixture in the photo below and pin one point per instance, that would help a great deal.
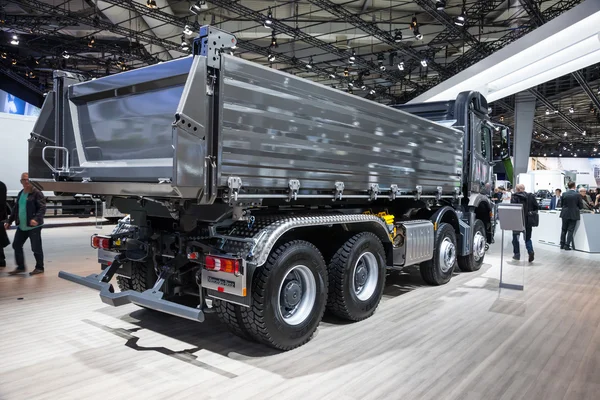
(401, 66)
(188, 30)
(544, 54)
(397, 36)
(15, 40)
(440, 5)
(198, 6)
(269, 19)
(151, 4)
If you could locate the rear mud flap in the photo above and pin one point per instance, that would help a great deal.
(151, 298)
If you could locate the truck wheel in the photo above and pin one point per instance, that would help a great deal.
(357, 277)
(231, 315)
(438, 270)
(142, 278)
(473, 261)
(289, 294)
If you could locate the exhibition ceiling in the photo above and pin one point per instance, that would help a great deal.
(389, 51)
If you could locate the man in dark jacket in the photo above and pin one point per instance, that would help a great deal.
(530, 206)
(3, 215)
(28, 214)
(572, 202)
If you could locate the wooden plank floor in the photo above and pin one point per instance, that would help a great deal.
(464, 340)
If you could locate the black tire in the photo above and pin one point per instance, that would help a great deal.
(231, 315)
(342, 299)
(473, 261)
(264, 318)
(142, 278)
(435, 271)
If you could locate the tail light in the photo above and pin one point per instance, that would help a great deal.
(101, 242)
(229, 265)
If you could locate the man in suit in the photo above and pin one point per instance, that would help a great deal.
(3, 216)
(555, 201)
(572, 203)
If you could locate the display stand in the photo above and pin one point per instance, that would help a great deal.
(511, 218)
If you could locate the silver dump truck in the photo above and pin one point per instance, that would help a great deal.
(262, 196)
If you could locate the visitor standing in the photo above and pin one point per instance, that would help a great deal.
(572, 203)
(530, 209)
(3, 216)
(28, 214)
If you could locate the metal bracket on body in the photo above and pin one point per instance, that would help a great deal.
(339, 190)
(439, 193)
(212, 42)
(393, 192)
(235, 184)
(419, 192)
(373, 191)
(294, 185)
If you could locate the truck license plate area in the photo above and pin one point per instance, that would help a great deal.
(223, 282)
(106, 257)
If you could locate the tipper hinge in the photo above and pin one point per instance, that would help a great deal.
(393, 192)
(373, 191)
(339, 190)
(294, 185)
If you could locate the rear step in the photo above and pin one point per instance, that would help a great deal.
(151, 298)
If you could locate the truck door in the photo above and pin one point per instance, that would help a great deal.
(481, 168)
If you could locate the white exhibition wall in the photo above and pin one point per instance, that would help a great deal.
(587, 169)
(13, 136)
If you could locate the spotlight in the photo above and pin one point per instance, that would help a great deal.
(401, 66)
(380, 62)
(424, 63)
(583, 133)
(571, 109)
(269, 19)
(310, 63)
(273, 40)
(372, 92)
(151, 4)
(397, 36)
(414, 26)
(91, 42)
(184, 44)
(271, 57)
(346, 72)
(15, 40)
(66, 55)
(332, 75)
(547, 111)
(461, 19)
(197, 7)
(440, 5)
(352, 57)
(188, 30)
(565, 134)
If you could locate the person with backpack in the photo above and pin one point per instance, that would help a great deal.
(531, 218)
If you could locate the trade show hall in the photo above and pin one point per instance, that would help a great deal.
(467, 339)
(303, 199)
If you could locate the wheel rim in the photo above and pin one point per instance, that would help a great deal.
(479, 245)
(447, 255)
(365, 276)
(297, 294)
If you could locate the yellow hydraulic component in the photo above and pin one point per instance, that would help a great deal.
(389, 220)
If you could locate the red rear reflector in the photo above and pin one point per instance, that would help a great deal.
(231, 266)
(193, 256)
(221, 289)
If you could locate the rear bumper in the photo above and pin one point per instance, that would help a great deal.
(150, 298)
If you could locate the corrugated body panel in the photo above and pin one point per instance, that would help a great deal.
(276, 127)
